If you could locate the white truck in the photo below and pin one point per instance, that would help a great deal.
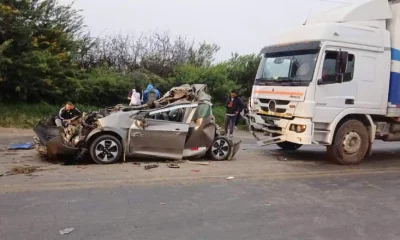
(334, 81)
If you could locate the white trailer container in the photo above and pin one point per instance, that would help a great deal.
(334, 81)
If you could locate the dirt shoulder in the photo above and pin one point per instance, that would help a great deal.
(25, 170)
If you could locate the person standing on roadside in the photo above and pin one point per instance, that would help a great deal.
(234, 105)
(134, 98)
(150, 94)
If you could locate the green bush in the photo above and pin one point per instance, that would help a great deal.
(27, 115)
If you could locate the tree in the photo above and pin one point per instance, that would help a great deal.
(39, 47)
(242, 70)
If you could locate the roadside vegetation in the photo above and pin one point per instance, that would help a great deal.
(48, 57)
(27, 115)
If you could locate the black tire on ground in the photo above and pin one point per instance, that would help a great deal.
(106, 149)
(289, 146)
(350, 143)
(220, 149)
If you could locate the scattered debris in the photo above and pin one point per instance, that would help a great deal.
(10, 154)
(200, 163)
(21, 146)
(180, 161)
(23, 170)
(195, 170)
(279, 158)
(173, 165)
(148, 167)
(66, 231)
(1, 175)
(163, 204)
(27, 156)
(267, 204)
(82, 167)
(230, 178)
(136, 164)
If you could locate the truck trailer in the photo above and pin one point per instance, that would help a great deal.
(333, 81)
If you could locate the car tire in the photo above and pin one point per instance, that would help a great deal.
(106, 149)
(220, 149)
(289, 146)
(350, 143)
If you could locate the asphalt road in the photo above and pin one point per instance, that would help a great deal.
(300, 196)
(347, 207)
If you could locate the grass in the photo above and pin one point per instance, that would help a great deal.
(27, 115)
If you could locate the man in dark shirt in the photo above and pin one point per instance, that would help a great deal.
(67, 113)
(234, 105)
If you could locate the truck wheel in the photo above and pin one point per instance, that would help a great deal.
(350, 143)
(289, 146)
(106, 149)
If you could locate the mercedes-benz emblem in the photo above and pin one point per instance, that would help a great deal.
(272, 106)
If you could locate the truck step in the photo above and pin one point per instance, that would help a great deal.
(321, 130)
(321, 143)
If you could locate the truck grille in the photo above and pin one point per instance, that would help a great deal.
(278, 110)
(278, 102)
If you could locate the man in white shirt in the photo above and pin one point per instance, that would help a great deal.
(135, 98)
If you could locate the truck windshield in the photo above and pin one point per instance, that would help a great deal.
(293, 68)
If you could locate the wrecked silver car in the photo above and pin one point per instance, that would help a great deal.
(179, 125)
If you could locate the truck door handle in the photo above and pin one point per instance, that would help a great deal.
(177, 129)
(349, 101)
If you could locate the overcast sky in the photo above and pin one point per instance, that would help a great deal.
(242, 26)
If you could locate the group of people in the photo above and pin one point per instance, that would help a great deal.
(235, 107)
(137, 97)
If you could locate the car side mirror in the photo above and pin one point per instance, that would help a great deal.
(320, 81)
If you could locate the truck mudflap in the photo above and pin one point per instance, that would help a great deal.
(48, 140)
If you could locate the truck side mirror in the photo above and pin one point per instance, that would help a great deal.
(344, 56)
(341, 64)
(339, 77)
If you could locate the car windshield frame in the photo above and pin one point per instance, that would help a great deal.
(288, 65)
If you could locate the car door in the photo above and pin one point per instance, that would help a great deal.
(332, 96)
(159, 138)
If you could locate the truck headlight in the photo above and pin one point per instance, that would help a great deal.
(297, 128)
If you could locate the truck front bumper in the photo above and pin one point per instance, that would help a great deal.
(278, 130)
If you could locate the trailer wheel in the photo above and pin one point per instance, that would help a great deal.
(289, 146)
(350, 143)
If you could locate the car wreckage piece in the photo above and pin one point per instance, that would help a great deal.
(178, 125)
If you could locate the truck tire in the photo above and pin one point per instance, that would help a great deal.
(289, 146)
(350, 143)
(106, 149)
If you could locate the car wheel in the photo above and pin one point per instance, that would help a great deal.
(220, 149)
(289, 146)
(106, 149)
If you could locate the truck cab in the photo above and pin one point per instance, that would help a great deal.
(330, 82)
